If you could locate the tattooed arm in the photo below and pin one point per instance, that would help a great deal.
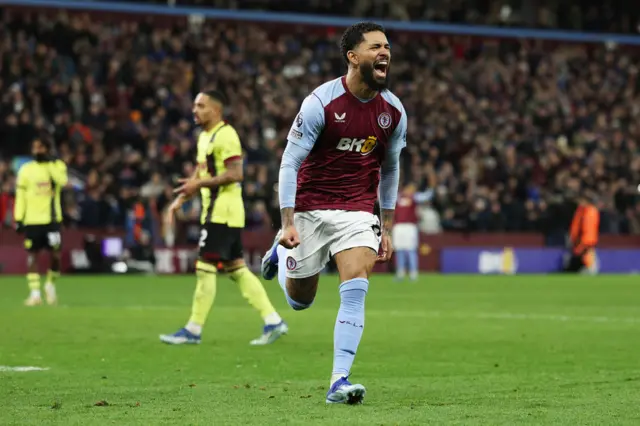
(234, 173)
(387, 215)
(390, 176)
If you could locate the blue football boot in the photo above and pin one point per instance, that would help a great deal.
(271, 333)
(270, 260)
(180, 337)
(343, 392)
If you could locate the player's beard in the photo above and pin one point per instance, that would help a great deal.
(366, 71)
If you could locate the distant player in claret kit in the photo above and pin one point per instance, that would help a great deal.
(218, 177)
(343, 148)
(406, 235)
(38, 215)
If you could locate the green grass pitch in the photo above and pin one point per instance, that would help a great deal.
(472, 350)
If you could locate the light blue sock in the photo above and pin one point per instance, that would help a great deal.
(413, 263)
(401, 261)
(282, 280)
(349, 324)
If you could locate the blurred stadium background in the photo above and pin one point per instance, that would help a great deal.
(515, 108)
(508, 122)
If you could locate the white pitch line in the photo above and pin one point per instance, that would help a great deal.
(21, 369)
(507, 316)
(512, 316)
(127, 307)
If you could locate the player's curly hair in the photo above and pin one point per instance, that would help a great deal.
(45, 141)
(354, 35)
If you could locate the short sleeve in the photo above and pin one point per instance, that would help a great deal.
(231, 149)
(308, 124)
(399, 135)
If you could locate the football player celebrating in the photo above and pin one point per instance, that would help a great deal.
(343, 149)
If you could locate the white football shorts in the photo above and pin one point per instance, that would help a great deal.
(405, 236)
(324, 233)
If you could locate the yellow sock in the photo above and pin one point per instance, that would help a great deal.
(254, 292)
(52, 276)
(205, 293)
(34, 282)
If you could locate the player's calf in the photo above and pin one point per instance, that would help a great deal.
(413, 264)
(301, 292)
(33, 279)
(401, 262)
(52, 275)
(354, 266)
(253, 290)
(203, 298)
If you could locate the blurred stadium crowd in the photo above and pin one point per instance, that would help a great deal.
(615, 16)
(505, 132)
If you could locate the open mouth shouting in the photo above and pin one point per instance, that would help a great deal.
(380, 68)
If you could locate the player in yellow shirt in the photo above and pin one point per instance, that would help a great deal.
(218, 179)
(38, 214)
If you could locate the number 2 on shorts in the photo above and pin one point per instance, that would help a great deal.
(203, 238)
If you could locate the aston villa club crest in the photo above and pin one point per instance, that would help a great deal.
(384, 120)
(291, 263)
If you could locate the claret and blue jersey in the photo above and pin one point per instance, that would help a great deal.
(338, 147)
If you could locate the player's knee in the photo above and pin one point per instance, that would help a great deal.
(231, 266)
(353, 273)
(355, 263)
(55, 261)
(207, 267)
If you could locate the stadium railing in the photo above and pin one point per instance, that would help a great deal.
(319, 20)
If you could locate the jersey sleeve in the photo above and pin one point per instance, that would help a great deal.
(230, 142)
(302, 137)
(390, 170)
(308, 124)
(58, 172)
(20, 206)
(399, 136)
